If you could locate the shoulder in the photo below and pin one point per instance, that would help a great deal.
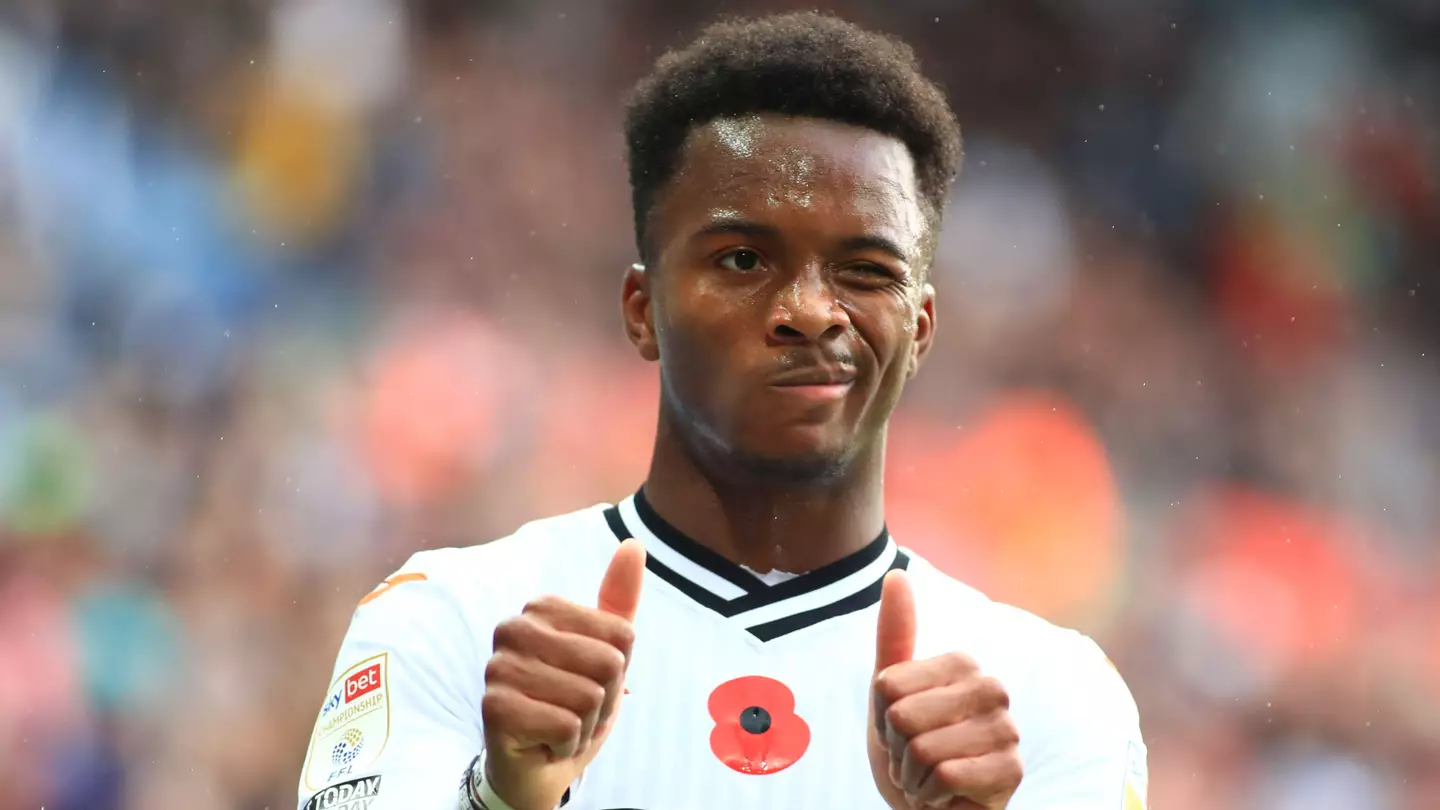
(485, 582)
(1043, 664)
(953, 612)
(532, 556)
(1079, 726)
(537, 540)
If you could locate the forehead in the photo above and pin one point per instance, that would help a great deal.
(769, 164)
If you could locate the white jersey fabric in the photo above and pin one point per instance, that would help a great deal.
(740, 693)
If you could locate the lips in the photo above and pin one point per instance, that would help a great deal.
(815, 375)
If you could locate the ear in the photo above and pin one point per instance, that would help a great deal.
(637, 313)
(924, 329)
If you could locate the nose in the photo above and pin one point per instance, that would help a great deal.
(806, 310)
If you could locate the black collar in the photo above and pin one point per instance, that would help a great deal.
(767, 611)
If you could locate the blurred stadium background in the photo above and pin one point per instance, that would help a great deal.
(289, 290)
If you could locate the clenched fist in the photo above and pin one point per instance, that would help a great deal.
(554, 683)
(941, 734)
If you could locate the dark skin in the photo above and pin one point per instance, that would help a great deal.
(784, 251)
(786, 303)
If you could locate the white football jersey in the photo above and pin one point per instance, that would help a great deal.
(740, 692)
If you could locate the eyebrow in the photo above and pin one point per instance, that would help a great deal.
(745, 227)
(874, 242)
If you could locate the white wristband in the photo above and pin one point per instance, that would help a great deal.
(481, 792)
(477, 794)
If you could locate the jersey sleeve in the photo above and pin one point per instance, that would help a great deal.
(401, 719)
(1090, 755)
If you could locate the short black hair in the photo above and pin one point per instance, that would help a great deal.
(803, 64)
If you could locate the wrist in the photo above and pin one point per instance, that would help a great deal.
(477, 791)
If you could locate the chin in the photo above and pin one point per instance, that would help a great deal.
(814, 467)
(790, 455)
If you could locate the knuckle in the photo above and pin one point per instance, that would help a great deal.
(493, 704)
(592, 697)
(1014, 769)
(1007, 734)
(571, 726)
(497, 667)
(503, 635)
(994, 691)
(960, 662)
(512, 632)
(611, 664)
(887, 685)
(957, 773)
(951, 772)
(900, 718)
(623, 636)
(548, 604)
(925, 752)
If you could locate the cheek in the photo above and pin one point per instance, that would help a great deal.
(708, 316)
(909, 322)
(909, 307)
(911, 310)
(888, 323)
(695, 335)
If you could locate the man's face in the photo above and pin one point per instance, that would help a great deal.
(787, 303)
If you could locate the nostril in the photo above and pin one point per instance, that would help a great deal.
(788, 331)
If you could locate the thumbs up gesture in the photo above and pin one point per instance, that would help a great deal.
(941, 735)
(554, 683)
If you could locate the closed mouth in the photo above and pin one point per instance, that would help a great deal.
(815, 375)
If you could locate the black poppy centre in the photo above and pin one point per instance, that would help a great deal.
(755, 720)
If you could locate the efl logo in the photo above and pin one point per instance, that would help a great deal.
(362, 683)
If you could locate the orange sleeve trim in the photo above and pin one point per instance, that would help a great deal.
(384, 587)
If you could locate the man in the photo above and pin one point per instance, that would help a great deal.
(788, 177)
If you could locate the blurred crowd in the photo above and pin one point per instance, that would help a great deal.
(290, 289)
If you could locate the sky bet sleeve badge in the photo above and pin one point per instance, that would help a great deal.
(352, 728)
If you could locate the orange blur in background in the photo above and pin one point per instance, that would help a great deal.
(291, 290)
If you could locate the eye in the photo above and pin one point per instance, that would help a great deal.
(873, 273)
(742, 260)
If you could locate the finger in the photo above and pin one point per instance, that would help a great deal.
(558, 619)
(620, 589)
(610, 705)
(914, 677)
(894, 638)
(895, 746)
(926, 751)
(895, 630)
(535, 634)
(620, 596)
(534, 678)
(515, 722)
(981, 779)
(969, 698)
(577, 639)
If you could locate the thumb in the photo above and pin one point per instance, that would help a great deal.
(895, 630)
(620, 589)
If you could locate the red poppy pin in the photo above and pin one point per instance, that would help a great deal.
(756, 728)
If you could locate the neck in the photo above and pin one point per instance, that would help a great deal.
(766, 525)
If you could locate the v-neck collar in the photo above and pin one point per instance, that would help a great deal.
(766, 610)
